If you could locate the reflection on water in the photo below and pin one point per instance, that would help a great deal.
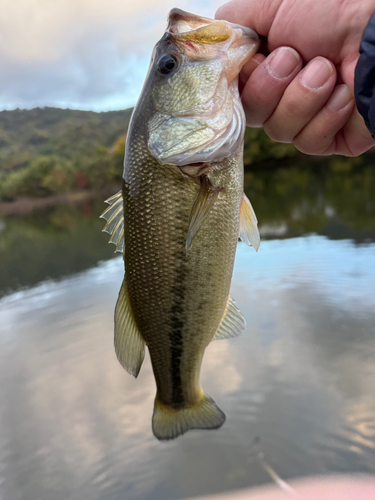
(74, 424)
(51, 243)
(328, 198)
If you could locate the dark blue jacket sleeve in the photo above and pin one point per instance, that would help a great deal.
(364, 79)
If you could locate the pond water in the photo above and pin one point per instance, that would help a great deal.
(75, 425)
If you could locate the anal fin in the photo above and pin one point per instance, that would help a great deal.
(232, 323)
(249, 224)
(129, 343)
(204, 201)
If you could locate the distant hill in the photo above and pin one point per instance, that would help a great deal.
(25, 134)
(47, 151)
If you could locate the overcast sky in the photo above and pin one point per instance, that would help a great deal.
(82, 54)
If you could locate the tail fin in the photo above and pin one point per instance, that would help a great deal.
(168, 422)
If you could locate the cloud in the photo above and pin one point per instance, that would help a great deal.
(88, 54)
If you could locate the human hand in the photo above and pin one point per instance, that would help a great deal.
(312, 106)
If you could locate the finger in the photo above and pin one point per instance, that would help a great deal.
(256, 15)
(251, 65)
(267, 83)
(355, 138)
(249, 68)
(319, 135)
(303, 98)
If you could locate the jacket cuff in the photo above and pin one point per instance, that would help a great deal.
(364, 77)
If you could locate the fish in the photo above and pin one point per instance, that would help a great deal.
(180, 213)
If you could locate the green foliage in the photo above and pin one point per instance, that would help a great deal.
(45, 175)
(47, 151)
(51, 243)
(26, 134)
(310, 196)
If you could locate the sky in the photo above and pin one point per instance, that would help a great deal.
(81, 54)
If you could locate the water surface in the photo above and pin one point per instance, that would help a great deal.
(75, 425)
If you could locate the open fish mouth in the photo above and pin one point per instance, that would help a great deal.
(199, 116)
(202, 38)
(184, 26)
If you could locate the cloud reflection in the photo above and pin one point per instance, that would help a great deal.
(74, 424)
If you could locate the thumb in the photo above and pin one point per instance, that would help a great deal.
(255, 14)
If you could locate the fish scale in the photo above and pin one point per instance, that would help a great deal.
(172, 195)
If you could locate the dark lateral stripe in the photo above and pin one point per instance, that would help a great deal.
(176, 352)
(177, 322)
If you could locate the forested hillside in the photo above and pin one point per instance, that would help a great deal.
(25, 134)
(44, 151)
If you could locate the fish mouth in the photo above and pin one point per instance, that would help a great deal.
(185, 25)
(201, 38)
(213, 129)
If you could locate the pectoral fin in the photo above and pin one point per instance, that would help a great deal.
(129, 343)
(249, 224)
(206, 197)
(232, 323)
(114, 215)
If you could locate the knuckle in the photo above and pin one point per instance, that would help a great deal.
(312, 145)
(284, 124)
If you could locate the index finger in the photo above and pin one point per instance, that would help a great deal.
(267, 83)
(254, 14)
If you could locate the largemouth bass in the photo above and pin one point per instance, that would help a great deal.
(180, 214)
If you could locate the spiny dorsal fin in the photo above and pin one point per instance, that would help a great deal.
(204, 201)
(129, 343)
(249, 224)
(114, 215)
(232, 323)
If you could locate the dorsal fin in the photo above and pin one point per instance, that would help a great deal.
(114, 215)
(232, 323)
(249, 224)
(129, 343)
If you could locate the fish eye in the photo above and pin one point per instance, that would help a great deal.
(167, 64)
